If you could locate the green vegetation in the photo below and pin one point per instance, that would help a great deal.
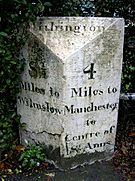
(15, 17)
(32, 156)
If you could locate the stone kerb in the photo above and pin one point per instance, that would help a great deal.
(71, 86)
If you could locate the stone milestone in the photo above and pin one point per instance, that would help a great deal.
(70, 88)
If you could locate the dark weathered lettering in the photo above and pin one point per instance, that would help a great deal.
(89, 70)
(68, 27)
(41, 107)
(85, 91)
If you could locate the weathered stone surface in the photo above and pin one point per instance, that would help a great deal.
(71, 85)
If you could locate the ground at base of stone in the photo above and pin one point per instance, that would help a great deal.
(120, 168)
(99, 171)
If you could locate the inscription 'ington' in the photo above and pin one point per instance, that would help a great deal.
(52, 26)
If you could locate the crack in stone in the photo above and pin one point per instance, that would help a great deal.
(53, 134)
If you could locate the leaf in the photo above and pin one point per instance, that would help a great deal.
(2, 166)
(46, 164)
(23, 125)
(47, 4)
(20, 148)
(9, 171)
(13, 62)
(132, 68)
(17, 171)
(50, 174)
(132, 134)
(21, 157)
(3, 34)
(23, 1)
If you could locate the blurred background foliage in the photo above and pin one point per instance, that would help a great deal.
(15, 17)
